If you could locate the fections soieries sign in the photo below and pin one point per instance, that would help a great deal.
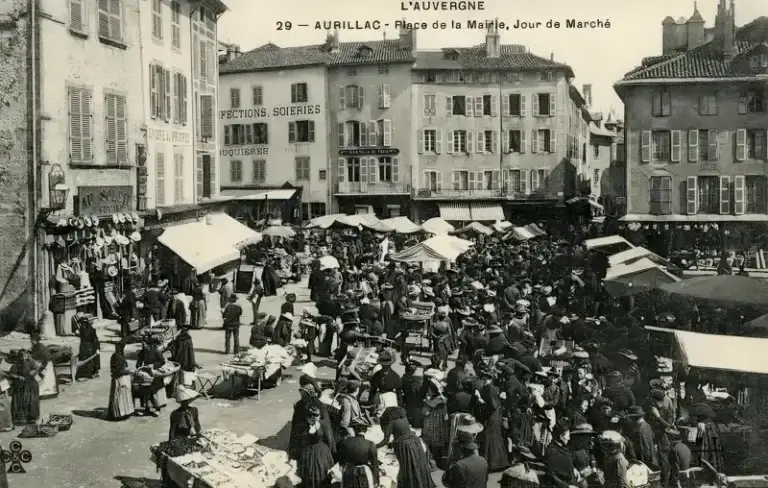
(263, 112)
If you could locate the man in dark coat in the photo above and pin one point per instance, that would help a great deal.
(469, 472)
(679, 457)
(183, 351)
(385, 380)
(177, 309)
(412, 457)
(358, 458)
(641, 436)
(231, 315)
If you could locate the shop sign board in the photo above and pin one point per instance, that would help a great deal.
(370, 151)
(104, 200)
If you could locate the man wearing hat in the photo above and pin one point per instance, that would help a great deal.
(231, 315)
(385, 383)
(679, 457)
(615, 465)
(471, 471)
(283, 329)
(661, 416)
(558, 457)
(358, 457)
(621, 396)
(641, 436)
(472, 339)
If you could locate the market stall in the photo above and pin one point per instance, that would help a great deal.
(609, 244)
(475, 228)
(438, 248)
(437, 226)
(636, 277)
(220, 458)
(401, 225)
(254, 366)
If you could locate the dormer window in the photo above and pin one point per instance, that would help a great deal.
(451, 54)
(758, 61)
(364, 50)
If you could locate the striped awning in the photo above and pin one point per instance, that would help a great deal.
(456, 212)
(481, 212)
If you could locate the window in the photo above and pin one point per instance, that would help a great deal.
(430, 105)
(459, 105)
(258, 96)
(322, 175)
(301, 131)
(234, 97)
(756, 144)
(350, 133)
(175, 24)
(299, 93)
(235, 171)
(516, 105)
(753, 101)
(385, 100)
(487, 105)
(317, 208)
(486, 141)
(661, 145)
(353, 170)
(157, 19)
(431, 77)
(383, 69)
(351, 96)
(708, 105)
(77, 19)
(544, 104)
(433, 181)
(515, 141)
(543, 140)
(387, 172)
(709, 194)
(756, 194)
(702, 145)
(384, 127)
(351, 71)
(430, 141)
(302, 168)
(461, 180)
(178, 178)
(661, 195)
(160, 171)
(110, 20)
(259, 170)
(459, 139)
(596, 150)
(246, 134)
(661, 104)
(116, 131)
(538, 180)
(80, 125)
(160, 92)
(489, 180)
(514, 181)
(180, 101)
(595, 177)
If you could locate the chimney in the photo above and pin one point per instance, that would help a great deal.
(407, 39)
(668, 44)
(587, 92)
(333, 41)
(493, 41)
(552, 55)
(233, 51)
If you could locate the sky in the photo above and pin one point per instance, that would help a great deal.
(598, 56)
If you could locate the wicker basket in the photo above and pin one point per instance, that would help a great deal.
(62, 422)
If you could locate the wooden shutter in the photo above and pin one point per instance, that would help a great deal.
(153, 91)
(535, 105)
(469, 106)
(523, 108)
(725, 195)
(693, 145)
(227, 135)
(738, 194)
(692, 195)
(311, 130)
(506, 108)
(291, 132)
(552, 140)
(439, 181)
(455, 180)
(495, 142)
(341, 167)
(420, 137)
(645, 142)
(451, 139)
(360, 97)
(373, 134)
(741, 144)
(121, 127)
(395, 169)
(470, 142)
(743, 104)
(472, 180)
(479, 109)
(75, 125)
(86, 100)
(387, 129)
(363, 134)
(448, 106)
(504, 142)
(160, 180)
(524, 187)
(206, 116)
(676, 153)
(184, 100)
(665, 103)
(167, 98)
(534, 141)
(342, 97)
(342, 140)
(480, 141)
(523, 142)
(364, 170)
(426, 106)
(494, 105)
(552, 104)
(76, 22)
(438, 141)
(495, 179)
(199, 177)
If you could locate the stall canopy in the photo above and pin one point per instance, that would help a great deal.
(535, 230)
(732, 289)
(455, 212)
(519, 234)
(199, 245)
(279, 231)
(437, 226)
(501, 226)
(636, 277)
(232, 231)
(723, 352)
(251, 195)
(608, 243)
(438, 248)
(401, 225)
(474, 228)
(635, 254)
(323, 222)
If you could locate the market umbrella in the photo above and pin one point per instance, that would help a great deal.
(328, 262)
(474, 228)
(279, 231)
(732, 289)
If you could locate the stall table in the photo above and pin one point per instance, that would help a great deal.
(248, 373)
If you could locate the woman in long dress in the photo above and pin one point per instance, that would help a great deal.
(120, 392)
(25, 390)
(492, 443)
(150, 355)
(6, 419)
(89, 347)
(316, 458)
(270, 281)
(49, 384)
(436, 430)
(197, 309)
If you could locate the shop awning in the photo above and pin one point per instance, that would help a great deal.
(634, 254)
(636, 277)
(232, 231)
(608, 241)
(457, 212)
(255, 195)
(486, 212)
(438, 248)
(199, 245)
(693, 219)
(724, 352)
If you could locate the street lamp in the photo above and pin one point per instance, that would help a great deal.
(57, 188)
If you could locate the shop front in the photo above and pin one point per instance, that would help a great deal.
(373, 180)
(91, 255)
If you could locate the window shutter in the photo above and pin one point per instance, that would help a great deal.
(666, 103)
(227, 135)
(523, 108)
(360, 97)
(206, 116)
(495, 142)
(342, 140)
(121, 128)
(373, 134)
(438, 141)
(676, 137)
(552, 104)
(552, 140)
(341, 167)
(160, 180)
(470, 143)
(480, 141)
(87, 127)
(294, 93)
(167, 98)
(765, 151)
(495, 179)
(395, 169)
(725, 195)
(420, 136)
(468, 106)
(342, 97)
(363, 170)
(645, 142)
(75, 125)
(505, 142)
(691, 195)
(380, 94)
(522, 141)
(439, 181)
(534, 141)
(535, 105)
(153, 92)
(76, 15)
(494, 106)
(311, 128)
(524, 181)
(505, 109)
(693, 145)
(363, 134)
(387, 96)
(451, 140)
(425, 180)
(184, 100)
(472, 180)
(738, 194)
(479, 107)
(373, 170)
(741, 144)
(455, 180)
(743, 103)
(426, 107)
(387, 126)
(505, 180)
(291, 132)
(448, 106)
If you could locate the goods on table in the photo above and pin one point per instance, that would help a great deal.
(364, 362)
(663, 365)
(60, 354)
(267, 361)
(419, 311)
(177, 447)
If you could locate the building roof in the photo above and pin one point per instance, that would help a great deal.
(270, 57)
(512, 56)
(379, 52)
(600, 131)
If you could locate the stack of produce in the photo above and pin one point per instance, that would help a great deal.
(270, 359)
(366, 359)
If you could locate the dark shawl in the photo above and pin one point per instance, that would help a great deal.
(411, 456)
(183, 352)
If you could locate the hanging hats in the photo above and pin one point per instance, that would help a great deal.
(135, 236)
(88, 222)
(135, 217)
(110, 260)
(72, 222)
(115, 220)
(112, 271)
(121, 218)
(95, 220)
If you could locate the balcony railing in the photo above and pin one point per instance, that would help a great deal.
(379, 188)
(504, 193)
